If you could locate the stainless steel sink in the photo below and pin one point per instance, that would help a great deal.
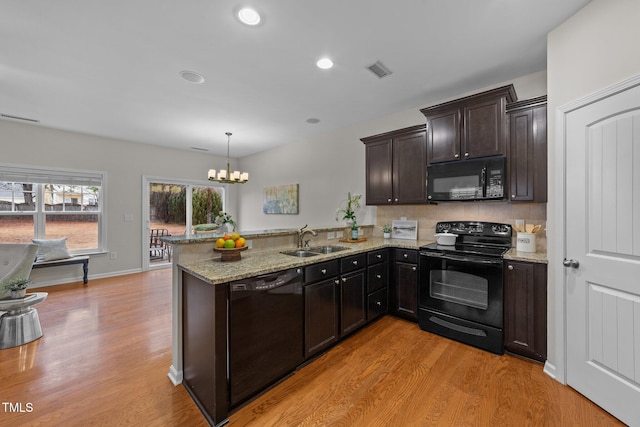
(328, 249)
(300, 253)
(314, 251)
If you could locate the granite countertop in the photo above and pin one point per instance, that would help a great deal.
(255, 263)
(536, 257)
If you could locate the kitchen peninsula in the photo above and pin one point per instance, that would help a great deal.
(355, 278)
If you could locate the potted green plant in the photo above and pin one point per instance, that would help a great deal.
(18, 286)
(225, 222)
(386, 231)
(348, 208)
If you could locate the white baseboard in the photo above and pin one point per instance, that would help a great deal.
(550, 370)
(175, 376)
(79, 278)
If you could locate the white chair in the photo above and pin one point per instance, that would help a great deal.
(19, 321)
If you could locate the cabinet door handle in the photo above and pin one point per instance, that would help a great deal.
(323, 271)
(378, 276)
(389, 200)
(344, 280)
(456, 155)
(354, 262)
(396, 199)
(510, 267)
(337, 282)
(466, 154)
(413, 268)
(405, 255)
(379, 256)
(513, 196)
(378, 303)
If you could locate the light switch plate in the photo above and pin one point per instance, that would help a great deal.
(338, 234)
(331, 235)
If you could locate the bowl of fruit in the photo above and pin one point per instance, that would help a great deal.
(230, 246)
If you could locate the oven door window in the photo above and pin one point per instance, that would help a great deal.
(460, 288)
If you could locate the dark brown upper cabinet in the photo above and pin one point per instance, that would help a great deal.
(396, 167)
(528, 150)
(470, 127)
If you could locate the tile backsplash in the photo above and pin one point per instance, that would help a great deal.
(503, 212)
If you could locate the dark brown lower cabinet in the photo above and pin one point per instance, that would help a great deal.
(204, 346)
(404, 284)
(321, 317)
(525, 309)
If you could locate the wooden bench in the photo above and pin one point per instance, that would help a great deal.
(81, 259)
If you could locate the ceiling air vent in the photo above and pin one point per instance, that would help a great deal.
(379, 69)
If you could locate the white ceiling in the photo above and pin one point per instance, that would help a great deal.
(111, 67)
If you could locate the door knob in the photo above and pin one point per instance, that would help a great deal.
(573, 263)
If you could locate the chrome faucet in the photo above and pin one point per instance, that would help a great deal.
(301, 234)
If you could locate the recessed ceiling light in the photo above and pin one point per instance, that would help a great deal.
(192, 77)
(249, 16)
(324, 63)
(313, 120)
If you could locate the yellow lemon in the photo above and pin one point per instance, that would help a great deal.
(220, 243)
(235, 236)
(229, 244)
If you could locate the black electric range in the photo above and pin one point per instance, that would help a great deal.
(460, 291)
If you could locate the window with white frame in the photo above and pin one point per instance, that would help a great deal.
(51, 204)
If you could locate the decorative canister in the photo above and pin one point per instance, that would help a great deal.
(526, 242)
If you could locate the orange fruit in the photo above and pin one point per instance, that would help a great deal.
(242, 242)
(229, 244)
(220, 243)
(226, 237)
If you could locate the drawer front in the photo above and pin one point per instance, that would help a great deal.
(377, 304)
(353, 262)
(377, 277)
(320, 271)
(406, 255)
(375, 257)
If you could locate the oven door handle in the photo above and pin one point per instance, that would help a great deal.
(472, 260)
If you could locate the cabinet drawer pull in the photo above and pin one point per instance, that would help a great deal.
(354, 262)
(413, 268)
(405, 255)
(378, 276)
(344, 280)
(378, 303)
(510, 267)
(323, 271)
(379, 256)
(520, 343)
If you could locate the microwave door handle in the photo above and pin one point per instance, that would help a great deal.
(484, 181)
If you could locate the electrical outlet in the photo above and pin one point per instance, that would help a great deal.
(113, 255)
(338, 234)
(331, 235)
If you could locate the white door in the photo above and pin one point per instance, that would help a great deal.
(602, 241)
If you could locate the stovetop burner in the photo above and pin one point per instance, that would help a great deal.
(474, 238)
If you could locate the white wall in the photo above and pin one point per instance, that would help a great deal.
(327, 167)
(595, 48)
(125, 164)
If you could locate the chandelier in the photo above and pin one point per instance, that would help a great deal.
(225, 176)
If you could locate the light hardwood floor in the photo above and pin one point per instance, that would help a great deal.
(106, 351)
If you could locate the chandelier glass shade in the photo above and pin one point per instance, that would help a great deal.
(226, 176)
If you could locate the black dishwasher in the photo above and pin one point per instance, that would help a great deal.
(265, 331)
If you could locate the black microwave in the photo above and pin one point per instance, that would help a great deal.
(475, 179)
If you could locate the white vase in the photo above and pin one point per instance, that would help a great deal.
(386, 235)
(18, 294)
